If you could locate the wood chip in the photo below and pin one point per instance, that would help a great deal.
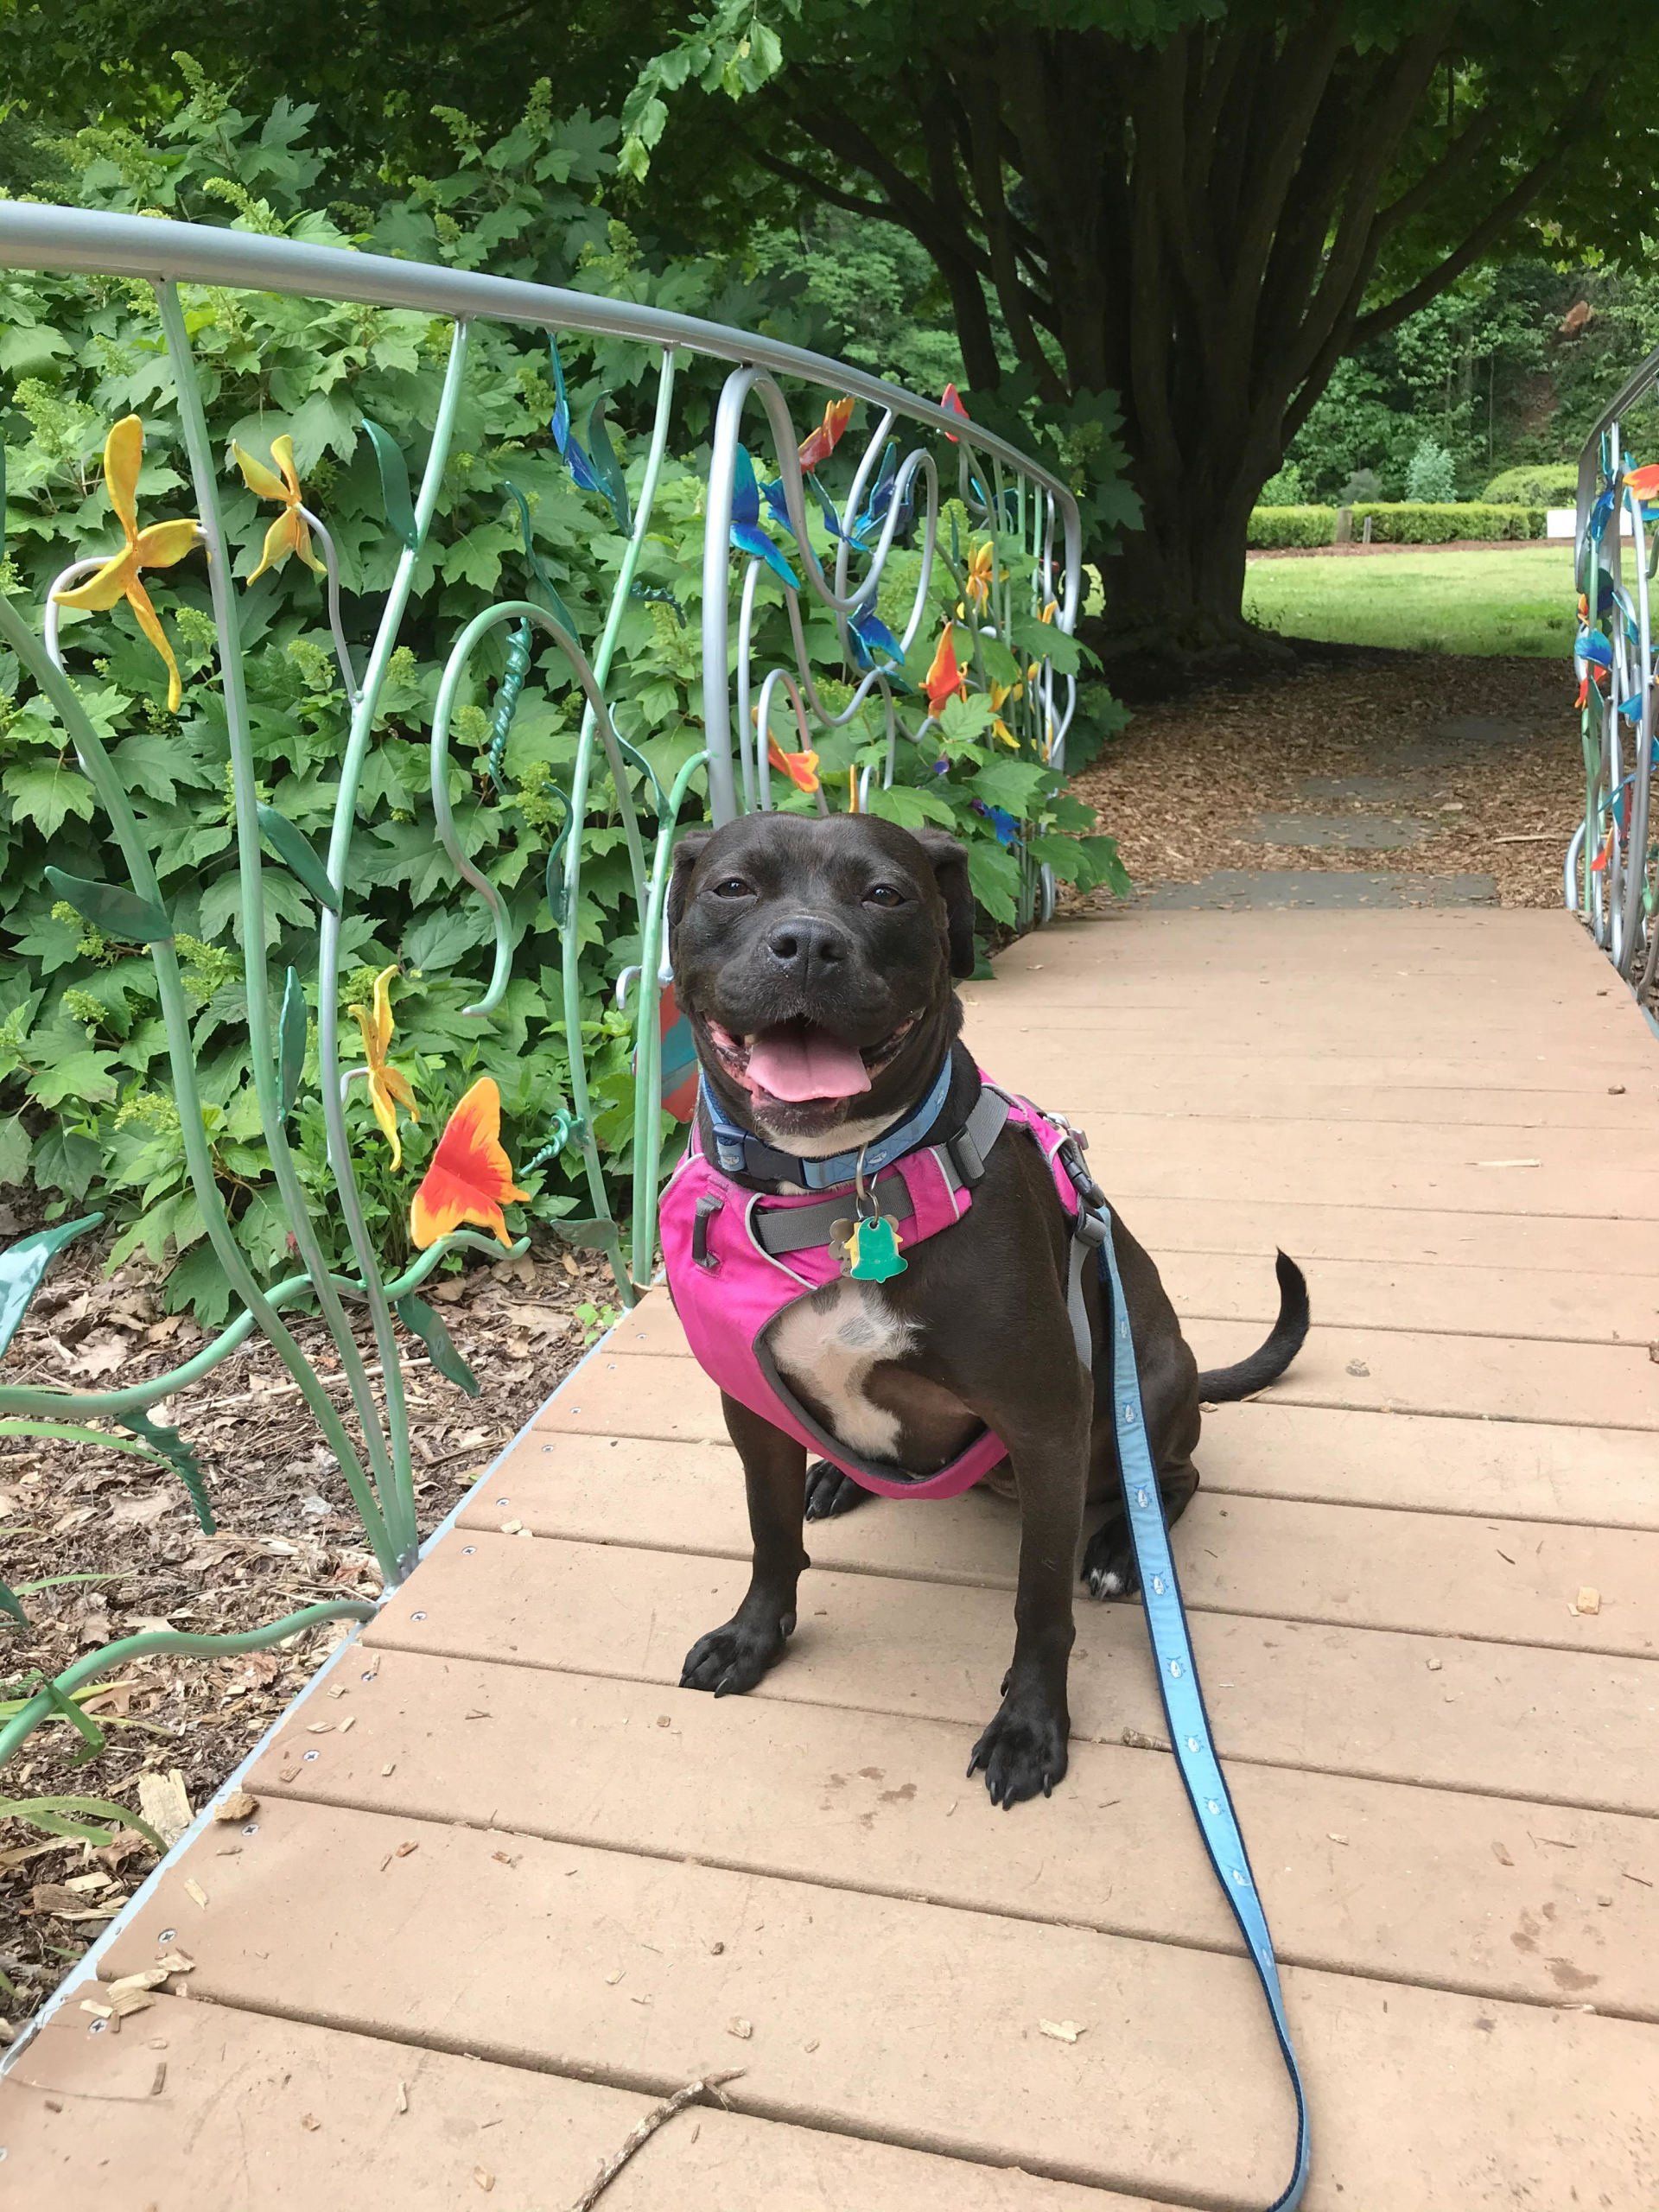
(165, 1803)
(99, 2011)
(1508, 1163)
(1502, 1855)
(195, 1890)
(176, 1961)
(1061, 2031)
(131, 2001)
(309, 2120)
(348, 1723)
(483, 2179)
(743, 2030)
(158, 2080)
(146, 1978)
(403, 2096)
(1588, 1599)
(404, 1850)
(239, 1805)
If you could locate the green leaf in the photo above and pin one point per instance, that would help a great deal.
(419, 1318)
(963, 720)
(83, 1076)
(994, 876)
(55, 1816)
(1013, 784)
(440, 939)
(589, 1235)
(14, 1151)
(10, 1604)
(64, 1159)
(118, 912)
(911, 806)
(46, 792)
(299, 856)
(83, 1723)
(394, 485)
(290, 1052)
(607, 468)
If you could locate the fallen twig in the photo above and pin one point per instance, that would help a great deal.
(694, 2092)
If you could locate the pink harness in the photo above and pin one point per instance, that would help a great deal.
(728, 1288)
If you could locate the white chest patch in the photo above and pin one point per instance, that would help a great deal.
(828, 1344)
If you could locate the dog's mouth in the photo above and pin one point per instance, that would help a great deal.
(800, 1063)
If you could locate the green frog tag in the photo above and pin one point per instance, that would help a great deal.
(871, 1251)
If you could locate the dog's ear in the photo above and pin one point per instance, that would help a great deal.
(949, 861)
(686, 856)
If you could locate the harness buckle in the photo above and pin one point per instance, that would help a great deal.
(1069, 1152)
(708, 1206)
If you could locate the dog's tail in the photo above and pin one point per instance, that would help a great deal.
(1222, 1384)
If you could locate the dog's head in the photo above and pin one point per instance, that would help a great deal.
(814, 957)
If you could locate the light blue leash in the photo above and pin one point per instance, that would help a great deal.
(1177, 1679)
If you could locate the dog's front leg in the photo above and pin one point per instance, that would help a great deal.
(1023, 1751)
(733, 1657)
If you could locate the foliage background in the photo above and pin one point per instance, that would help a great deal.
(84, 1108)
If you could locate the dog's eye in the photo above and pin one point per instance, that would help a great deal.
(732, 886)
(883, 894)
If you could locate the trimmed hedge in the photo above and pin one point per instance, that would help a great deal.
(1276, 526)
(1401, 522)
(1538, 483)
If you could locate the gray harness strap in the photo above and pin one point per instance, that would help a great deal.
(783, 1230)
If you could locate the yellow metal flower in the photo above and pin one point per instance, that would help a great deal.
(162, 546)
(287, 534)
(1001, 695)
(982, 574)
(388, 1090)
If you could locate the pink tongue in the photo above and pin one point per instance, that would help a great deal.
(797, 1065)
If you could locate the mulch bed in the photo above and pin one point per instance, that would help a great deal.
(1188, 773)
(288, 1537)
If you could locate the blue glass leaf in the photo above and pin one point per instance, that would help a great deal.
(750, 538)
(875, 647)
(607, 470)
(560, 425)
(746, 493)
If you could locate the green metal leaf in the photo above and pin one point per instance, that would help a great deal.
(178, 1456)
(299, 856)
(82, 1723)
(290, 1050)
(420, 1320)
(22, 1264)
(562, 614)
(596, 1235)
(601, 455)
(394, 485)
(11, 1603)
(116, 911)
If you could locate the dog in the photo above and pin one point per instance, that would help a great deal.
(815, 959)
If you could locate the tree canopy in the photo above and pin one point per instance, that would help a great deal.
(1189, 210)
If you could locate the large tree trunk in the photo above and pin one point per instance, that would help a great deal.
(1176, 586)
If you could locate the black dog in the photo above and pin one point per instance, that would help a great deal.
(816, 956)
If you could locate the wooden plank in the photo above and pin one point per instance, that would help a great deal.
(1515, 942)
(1378, 1163)
(1573, 1244)
(1424, 1295)
(1526, 1470)
(633, 1968)
(1362, 1877)
(1431, 1574)
(1046, 1064)
(1565, 1727)
(314, 2106)
(1395, 1371)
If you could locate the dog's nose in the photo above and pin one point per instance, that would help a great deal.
(807, 946)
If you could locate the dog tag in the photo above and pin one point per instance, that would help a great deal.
(840, 1238)
(873, 1250)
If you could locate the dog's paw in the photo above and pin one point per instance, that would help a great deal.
(830, 1492)
(732, 1659)
(1108, 1568)
(1023, 1751)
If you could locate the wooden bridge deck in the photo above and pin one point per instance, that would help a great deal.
(506, 1886)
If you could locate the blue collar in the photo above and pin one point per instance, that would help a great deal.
(738, 1152)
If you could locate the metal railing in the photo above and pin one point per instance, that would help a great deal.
(1030, 523)
(1611, 872)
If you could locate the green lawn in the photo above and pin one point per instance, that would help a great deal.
(1519, 600)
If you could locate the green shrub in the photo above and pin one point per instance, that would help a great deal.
(1271, 527)
(1431, 476)
(1540, 484)
(1364, 484)
(1284, 488)
(1406, 522)
(85, 1099)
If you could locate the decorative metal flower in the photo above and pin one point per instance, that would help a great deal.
(982, 575)
(747, 536)
(945, 680)
(817, 449)
(951, 400)
(470, 1178)
(388, 1088)
(287, 534)
(1001, 695)
(162, 546)
(801, 768)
